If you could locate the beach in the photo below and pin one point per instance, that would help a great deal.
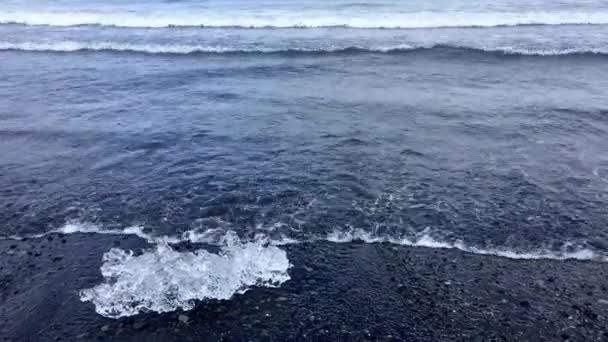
(348, 291)
(267, 170)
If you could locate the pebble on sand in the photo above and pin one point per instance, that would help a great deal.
(183, 319)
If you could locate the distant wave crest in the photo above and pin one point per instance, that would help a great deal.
(177, 49)
(310, 19)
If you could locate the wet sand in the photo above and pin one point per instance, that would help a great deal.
(351, 291)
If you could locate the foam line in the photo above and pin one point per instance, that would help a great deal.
(162, 279)
(424, 239)
(181, 49)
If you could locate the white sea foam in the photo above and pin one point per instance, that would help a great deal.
(73, 227)
(162, 279)
(89, 228)
(303, 19)
(183, 49)
(73, 46)
(425, 239)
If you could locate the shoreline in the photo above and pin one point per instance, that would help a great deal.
(346, 291)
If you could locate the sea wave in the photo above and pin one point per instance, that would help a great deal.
(305, 19)
(185, 49)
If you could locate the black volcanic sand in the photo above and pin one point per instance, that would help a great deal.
(353, 291)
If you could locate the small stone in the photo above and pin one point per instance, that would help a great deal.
(105, 328)
(599, 244)
(82, 336)
(603, 301)
(139, 325)
(183, 319)
(281, 299)
(590, 314)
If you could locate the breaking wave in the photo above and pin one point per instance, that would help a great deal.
(177, 49)
(306, 19)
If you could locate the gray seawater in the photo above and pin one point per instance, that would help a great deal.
(475, 125)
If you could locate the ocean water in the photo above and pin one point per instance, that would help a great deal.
(248, 125)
